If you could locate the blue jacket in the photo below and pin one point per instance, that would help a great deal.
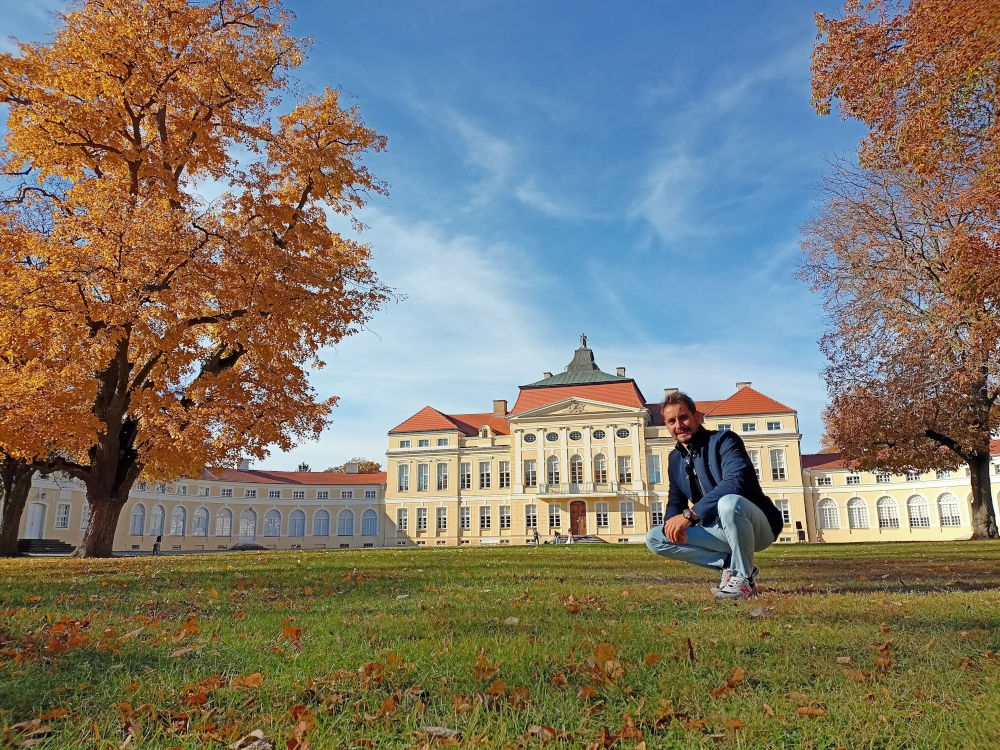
(723, 467)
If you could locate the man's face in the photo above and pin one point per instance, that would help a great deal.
(681, 422)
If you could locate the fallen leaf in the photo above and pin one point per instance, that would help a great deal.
(442, 733)
(810, 711)
(843, 660)
(253, 741)
(542, 733)
(652, 659)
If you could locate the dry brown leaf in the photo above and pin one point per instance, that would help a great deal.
(652, 659)
(483, 669)
(810, 711)
(542, 733)
(442, 733)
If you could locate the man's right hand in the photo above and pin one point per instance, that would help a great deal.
(675, 529)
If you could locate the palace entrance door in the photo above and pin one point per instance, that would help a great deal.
(578, 517)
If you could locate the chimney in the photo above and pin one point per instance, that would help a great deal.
(668, 392)
(620, 371)
(742, 384)
(499, 407)
(546, 374)
(351, 467)
(244, 464)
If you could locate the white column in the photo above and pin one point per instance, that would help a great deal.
(612, 454)
(517, 470)
(564, 463)
(588, 456)
(638, 478)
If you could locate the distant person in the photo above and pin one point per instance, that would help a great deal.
(156, 545)
(717, 515)
(534, 535)
(569, 537)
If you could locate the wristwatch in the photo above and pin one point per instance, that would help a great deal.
(690, 516)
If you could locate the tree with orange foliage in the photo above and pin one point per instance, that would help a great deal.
(907, 248)
(163, 331)
(364, 466)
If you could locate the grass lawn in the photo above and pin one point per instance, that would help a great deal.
(879, 646)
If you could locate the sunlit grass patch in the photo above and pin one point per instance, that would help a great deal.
(599, 646)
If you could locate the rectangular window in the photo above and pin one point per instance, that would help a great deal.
(464, 518)
(555, 517)
(442, 441)
(465, 475)
(227, 492)
(402, 519)
(883, 478)
(404, 443)
(530, 474)
(421, 519)
(404, 478)
(206, 491)
(824, 481)
(183, 489)
(854, 479)
(442, 519)
(274, 494)
(485, 475)
(485, 519)
(772, 426)
(346, 495)
(298, 494)
(504, 516)
(942, 474)
(627, 510)
(322, 494)
(749, 427)
(141, 486)
(369, 494)
(84, 514)
(552, 471)
(503, 469)
(423, 477)
(424, 443)
(161, 487)
(653, 465)
(442, 476)
(531, 516)
(624, 469)
(785, 510)
(755, 460)
(602, 515)
(777, 463)
(724, 427)
(62, 516)
(913, 476)
(656, 513)
(250, 493)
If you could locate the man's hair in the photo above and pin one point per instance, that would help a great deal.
(680, 397)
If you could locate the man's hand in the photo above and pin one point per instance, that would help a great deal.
(675, 529)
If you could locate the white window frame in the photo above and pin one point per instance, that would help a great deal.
(465, 518)
(402, 519)
(888, 512)
(321, 522)
(178, 521)
(857, 513)
(949, 510)
(272, 523)
(919, 511)
(485, 517)
(61, 520)
(297, 523)
(828, 514)
(653, 469)
(485, 475)
(626, 512)
(421, 519)
(600, 469)
(773, 425)
(441, 518)
(423, 477)
(403, 476)
(624, 469)
(442, 476)
(137, 520)
(602, 511)
(749, 427)
(465, 475)
(530, 473)
(785, 509)
(200, 520)
(504, 515)
(531, 516)
(345, 523)
(656, 513)
(552, 470)
(503, 469)
(778, 470)
(555, 516)
(274, 494)
(754, 454)
(224, 522)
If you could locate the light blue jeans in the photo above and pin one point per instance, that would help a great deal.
(740, 531)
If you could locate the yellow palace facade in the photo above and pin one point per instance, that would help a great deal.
(580, 451)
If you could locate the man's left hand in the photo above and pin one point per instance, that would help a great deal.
(675, 529)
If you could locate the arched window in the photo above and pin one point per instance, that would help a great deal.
(484, 431)
(369, 523)
(297, 523)
(829, 514)
(137, 523)
(857, 513)
(272, 523)
(552, 470)
(600, 469)
(248, 525)
(919, 512)
(200, 527)
(178, 521)
(345, 523)
(224, 522)
(321, 523)
(156, 521)
(948, 510)
(576, 470)
(888, 513)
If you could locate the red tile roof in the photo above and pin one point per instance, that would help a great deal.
(747, 401)
(625, 393)
(260, 476)
(994, 447)
(822, 461)
(425, 420)
(656, 411)
(470, 423)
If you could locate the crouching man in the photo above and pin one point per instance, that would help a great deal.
(717, 515)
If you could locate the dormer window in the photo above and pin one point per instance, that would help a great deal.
(485, 432)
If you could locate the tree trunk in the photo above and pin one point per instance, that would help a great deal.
(15, 476)
(984, 520)
(99, 538)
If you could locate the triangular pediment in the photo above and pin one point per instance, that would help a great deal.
(575, 408)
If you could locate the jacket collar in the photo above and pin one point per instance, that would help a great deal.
(698, 440)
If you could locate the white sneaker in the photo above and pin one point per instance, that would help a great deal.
(738, 587)
(727, 573)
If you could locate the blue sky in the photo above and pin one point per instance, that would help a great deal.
(638, 174)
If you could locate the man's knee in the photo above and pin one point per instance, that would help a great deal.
(727, 507)
(655, 539)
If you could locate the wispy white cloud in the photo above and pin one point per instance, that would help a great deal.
(669, 197)
(531, 195)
